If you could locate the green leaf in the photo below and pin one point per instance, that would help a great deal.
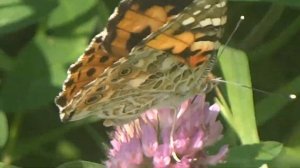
(6, 63)
(41, 66)
(33, 144)
(252, 156)
(104, 11)
(81, 164)
(3, 129)
(60, 53)
(235, 69)
(70, 10)
(2, 165)
(16, 14)
(78, 23)
(289, 157)
(67, 150)
(294, 136)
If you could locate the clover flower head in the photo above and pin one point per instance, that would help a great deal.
(147, 142)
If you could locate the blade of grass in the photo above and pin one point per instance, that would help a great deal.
(261, 29)
(3, 129)
(268, 49)
(226, 112)
(235, 68)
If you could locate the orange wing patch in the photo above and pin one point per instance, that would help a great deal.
(184, 46)
(87, 68)
(134, 26)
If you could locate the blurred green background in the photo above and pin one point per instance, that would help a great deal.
(39, 39)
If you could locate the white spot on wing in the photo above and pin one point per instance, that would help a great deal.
(205, 22)
(197, 12)
(208, 45)
(223, 20)
(216, 21)
(221, 4)
(103, 33)
(114, 14)
(188, 21)
(62, 116)
(138, 81)
(207, 6)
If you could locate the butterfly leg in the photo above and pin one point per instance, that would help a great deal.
(210, 83)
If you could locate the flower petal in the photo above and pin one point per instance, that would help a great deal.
(149, 139)
(162, 156)
(219, 157)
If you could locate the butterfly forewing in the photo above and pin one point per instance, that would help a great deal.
(131, 22)
(165, 68)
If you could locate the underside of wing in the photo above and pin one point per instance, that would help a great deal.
(169, 65)
(131, 22)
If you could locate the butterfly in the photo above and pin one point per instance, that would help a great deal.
(151, 54)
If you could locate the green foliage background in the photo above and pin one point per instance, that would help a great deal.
(40, 39)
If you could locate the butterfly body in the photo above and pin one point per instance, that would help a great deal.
(168, 66)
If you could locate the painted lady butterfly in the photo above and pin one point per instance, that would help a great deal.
(152, 53)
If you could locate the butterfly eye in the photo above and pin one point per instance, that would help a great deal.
(93, 99)
(125, 71)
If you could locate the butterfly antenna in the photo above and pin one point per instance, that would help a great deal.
(290, 96)
(232, 33)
